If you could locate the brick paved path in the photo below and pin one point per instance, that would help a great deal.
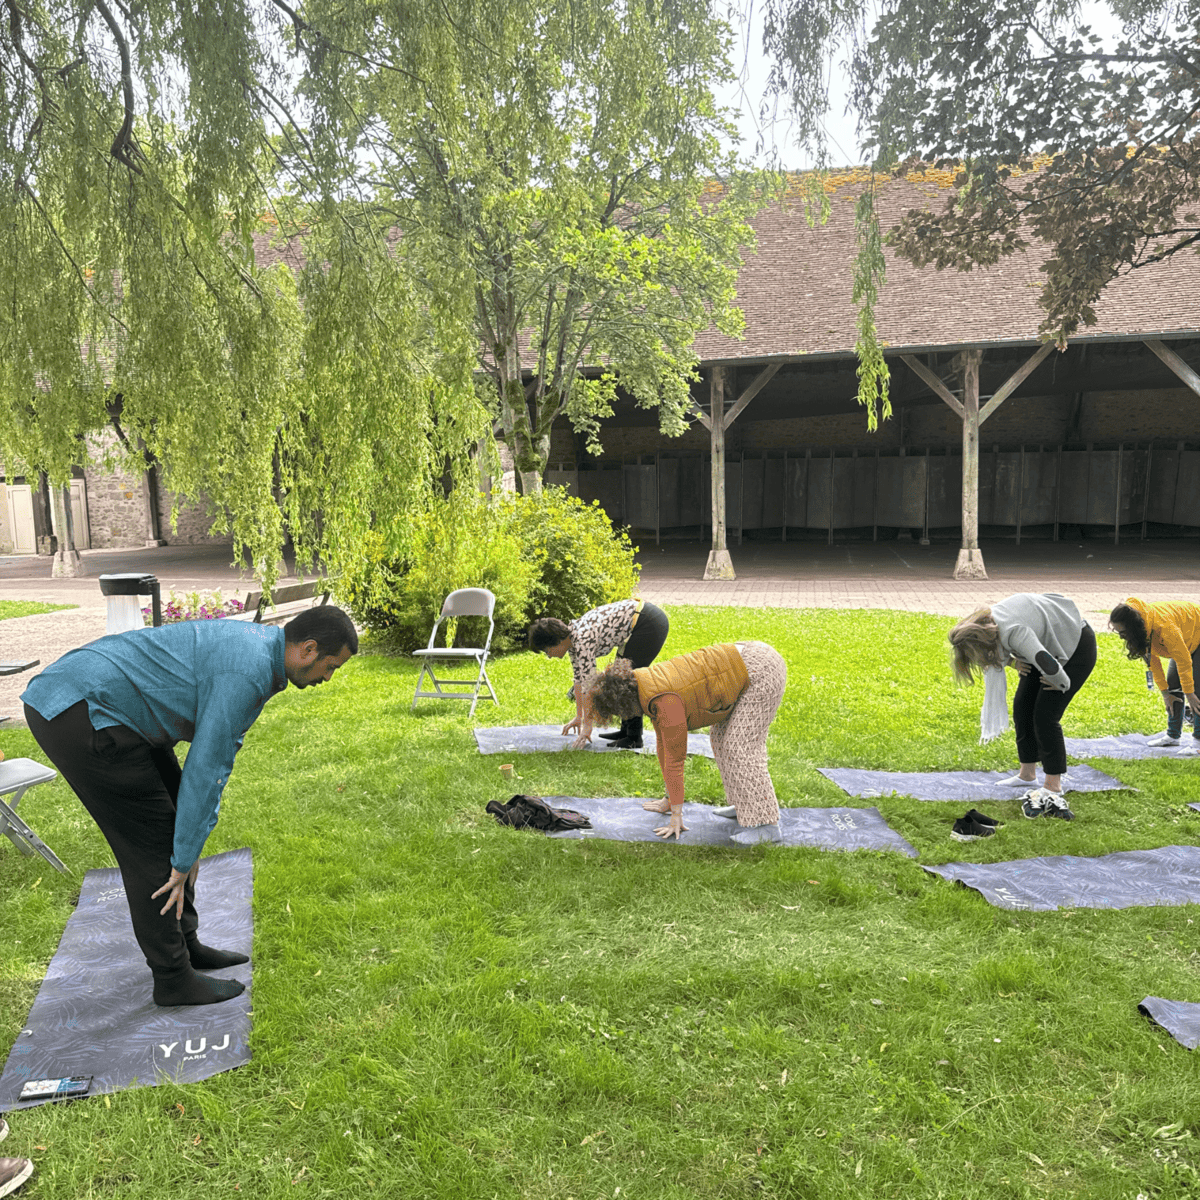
(900, 575)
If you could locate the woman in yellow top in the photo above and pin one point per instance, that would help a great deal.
(1168, 630)
(735, 689)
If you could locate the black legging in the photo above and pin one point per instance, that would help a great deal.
(642, 649)
(1037, 711)
(1175, 688)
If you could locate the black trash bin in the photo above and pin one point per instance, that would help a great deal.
(118, 589)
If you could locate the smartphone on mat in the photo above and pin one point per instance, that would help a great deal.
(56, 1089)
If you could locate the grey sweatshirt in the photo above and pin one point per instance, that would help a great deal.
(1041, 630)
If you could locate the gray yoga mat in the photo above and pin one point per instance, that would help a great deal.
(1122, 745)
(94, 1014)
(547, 739)
(1179, 1018)
(1167, 876)
(624, 820)
(956, 785)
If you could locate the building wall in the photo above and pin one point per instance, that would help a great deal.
(1165, 415)
(192, 525)
(117, 513)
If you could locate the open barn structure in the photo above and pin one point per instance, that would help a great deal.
(994, 433)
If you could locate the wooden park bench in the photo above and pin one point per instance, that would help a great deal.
(285, 602)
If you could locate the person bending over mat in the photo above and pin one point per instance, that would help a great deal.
(1169, 630)
(108, 716)
(736, 689)
(1054, 651)
(636, 629)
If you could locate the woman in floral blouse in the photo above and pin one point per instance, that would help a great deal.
(636, 628)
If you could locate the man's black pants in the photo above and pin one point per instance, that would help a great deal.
(130, 788)
(1037, 711)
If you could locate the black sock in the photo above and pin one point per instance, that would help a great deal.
(190, 988)
(205, 958)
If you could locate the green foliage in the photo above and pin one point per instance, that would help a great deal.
(543, 555)
(1060, 139)
(459, 543)
(446, 1007)
(550, 163)
(579, 560)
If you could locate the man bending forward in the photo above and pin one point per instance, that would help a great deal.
(108, 716)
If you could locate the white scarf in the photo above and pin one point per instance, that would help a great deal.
(993, 716)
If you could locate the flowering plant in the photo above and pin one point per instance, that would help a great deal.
(194, 606)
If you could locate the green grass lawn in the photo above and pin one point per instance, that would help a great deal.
(28, 608)
(444, 1007)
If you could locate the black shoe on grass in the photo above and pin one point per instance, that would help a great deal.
(967, 830)
(975, 815)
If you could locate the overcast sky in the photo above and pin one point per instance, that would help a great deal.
(746, 96)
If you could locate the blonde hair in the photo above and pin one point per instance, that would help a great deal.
(975, 644)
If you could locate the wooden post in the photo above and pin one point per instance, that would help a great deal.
(785, 498)
(1146, 489)
(1020, 492)
(1117, 504)
(970, 560)
(720, 565)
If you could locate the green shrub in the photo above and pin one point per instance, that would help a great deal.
(580, 561)
(544, 555)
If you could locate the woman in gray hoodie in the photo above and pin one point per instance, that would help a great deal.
(1054, 650)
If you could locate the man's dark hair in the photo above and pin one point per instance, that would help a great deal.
(1133, 630)
(547, 632)
(327, 625)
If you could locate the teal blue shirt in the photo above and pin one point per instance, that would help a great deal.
(203, 682)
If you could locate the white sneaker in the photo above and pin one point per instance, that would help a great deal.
(727, 811)
(1163, 739)
(1017, 781)
(1191, 749)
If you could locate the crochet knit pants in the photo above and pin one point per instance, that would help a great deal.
(740, 741)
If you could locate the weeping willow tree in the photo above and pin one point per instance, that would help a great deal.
(180, 258)
(555, 163)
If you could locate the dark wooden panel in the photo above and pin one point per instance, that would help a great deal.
(1073, 488)
(1041, 470)
(733, 495)
(1164, 478)
(889, 490)
(795, 500)
(1006, 484)
(843, 493)
(695, 495)
(641, 495)
(1133, 483)
(752, 493)
(668, 493)
(1102, 487)
(772, 513)
(817, 516)
(563, 478)
(912, 491)
(1187, 490)
(987, 486)
(606, 484)
(945, 490)
(863, 513)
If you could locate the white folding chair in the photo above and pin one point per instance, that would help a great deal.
(17, 776)
(466, 602)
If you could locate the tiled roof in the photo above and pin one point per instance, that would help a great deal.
(795, 292)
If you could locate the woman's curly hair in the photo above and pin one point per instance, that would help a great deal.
(1133, 630)
(614, 693)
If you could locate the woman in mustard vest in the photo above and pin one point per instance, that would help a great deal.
(1169, 630)
(735, 690)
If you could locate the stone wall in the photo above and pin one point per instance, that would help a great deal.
(116, 502)
(192, 525)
